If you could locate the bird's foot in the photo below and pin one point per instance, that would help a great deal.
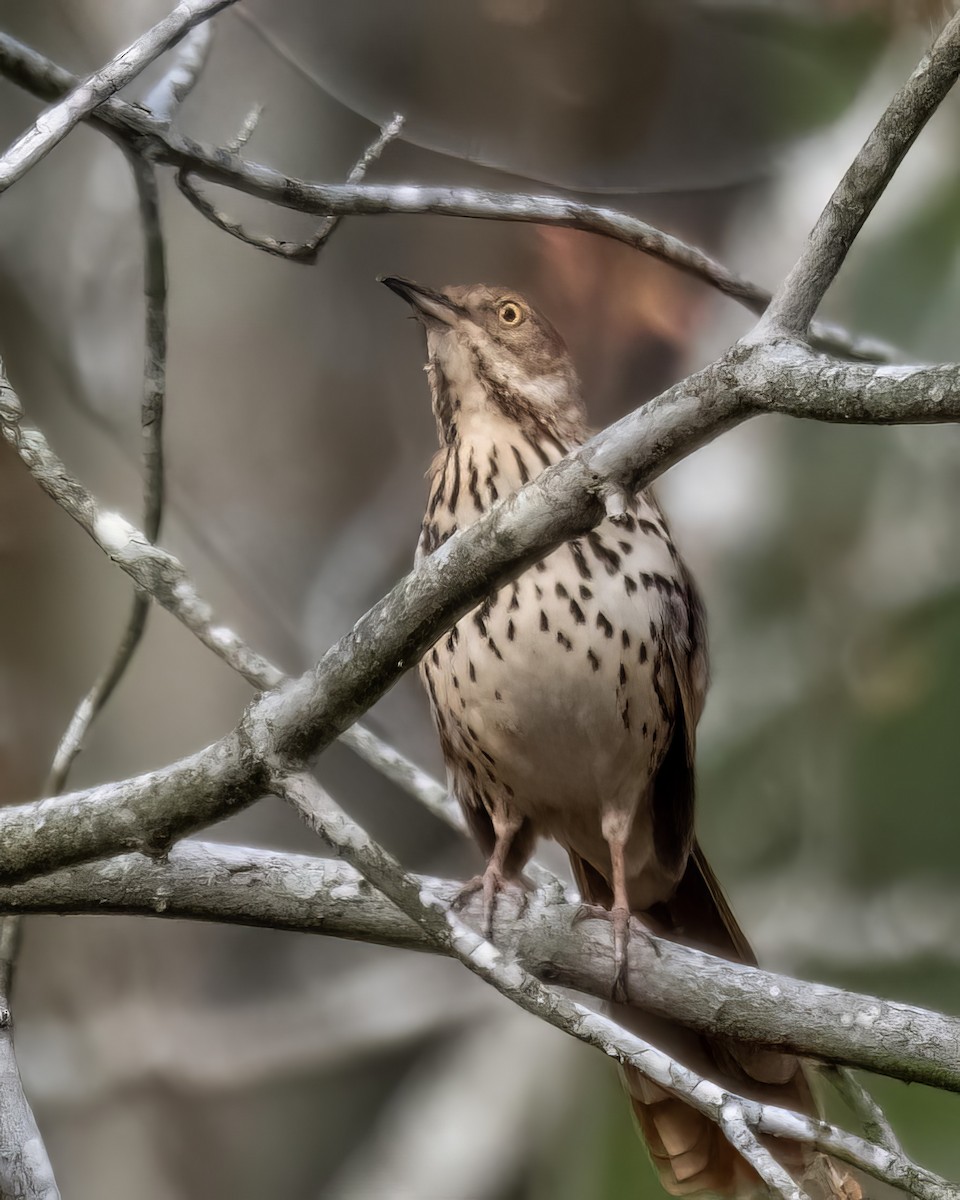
(589, 912)
(619, 918)
(492, 883)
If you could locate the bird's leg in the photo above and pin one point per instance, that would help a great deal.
(616, 829)
(495, 879)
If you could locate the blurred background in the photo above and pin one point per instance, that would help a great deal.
(168, 1060)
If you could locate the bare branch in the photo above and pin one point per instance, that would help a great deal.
(303, 717)
(241, 885)
(152, 569)
(388, 133)
(151, 421)
(169, 92)
(164, 577)
(53, 125)
(300, 252)
(799, 296)
(871, 1116)
(44, 78)
(248, 128)
(733, 1122)
(25, 1170)
(449, 934)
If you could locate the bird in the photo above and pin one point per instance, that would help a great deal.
(567, 703)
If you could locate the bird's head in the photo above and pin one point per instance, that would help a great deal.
(489, 351)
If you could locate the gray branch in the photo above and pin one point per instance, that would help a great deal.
(22, 1140)
(246, 886)
(151, 423)
(173, 87)
(305, 252)
(53, 125)
(25, 1171)
(222, 165)
(800, 294)
(301, 718)
(281, 730)
(739, 1118)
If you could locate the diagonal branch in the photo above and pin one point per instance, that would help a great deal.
(871, 1116)
(52, 126)
(449, 934)
(169, 92)
(799, 296)
(154, 570)
(736, 1129)
(303, 717)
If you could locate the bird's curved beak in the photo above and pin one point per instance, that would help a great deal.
(425, 302)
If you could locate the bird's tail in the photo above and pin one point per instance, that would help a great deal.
(688, 1149)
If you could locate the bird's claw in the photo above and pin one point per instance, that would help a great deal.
(491, 884)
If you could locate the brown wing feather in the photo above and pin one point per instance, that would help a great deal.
(688, 1149)
(672, 799)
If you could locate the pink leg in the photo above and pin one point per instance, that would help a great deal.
(616, 829)
(494, 879)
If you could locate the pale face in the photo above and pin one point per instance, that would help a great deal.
(487, 346)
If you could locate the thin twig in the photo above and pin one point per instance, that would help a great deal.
(872, 1118)
(248, 127)
(152, 569)
(53, 125)
(42, 77)
(169, 92)
(151, 422)
(307, 251)
(389, 131)
(799, 296)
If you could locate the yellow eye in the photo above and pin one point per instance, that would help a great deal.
(510, 313)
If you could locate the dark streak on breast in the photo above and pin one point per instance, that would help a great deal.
(603, 553)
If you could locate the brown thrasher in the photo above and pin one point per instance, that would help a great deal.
(567, 705)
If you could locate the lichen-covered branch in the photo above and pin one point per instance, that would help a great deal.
(739, 1118)
(242, 885)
